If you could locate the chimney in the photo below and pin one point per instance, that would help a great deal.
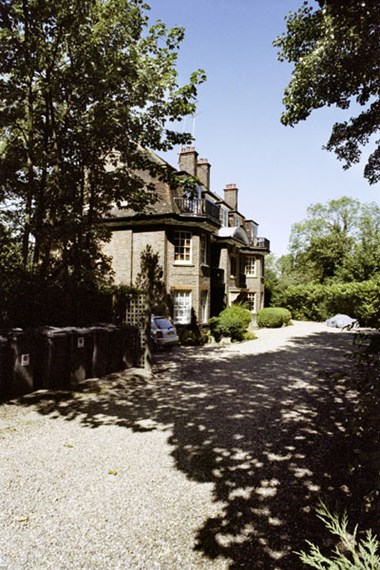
(231, 196)
(203, 172)
(188, 160)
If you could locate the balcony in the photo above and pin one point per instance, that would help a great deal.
(261, 243)
(198, 207)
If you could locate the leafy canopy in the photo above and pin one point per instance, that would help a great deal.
(334, 45)
(85, 85)
(337, 241)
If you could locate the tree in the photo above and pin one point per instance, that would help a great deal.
(85, 85)
(364, 263)
(320, 244)
(271, 279)
(150, 281)
(335, 48)
(339, 240)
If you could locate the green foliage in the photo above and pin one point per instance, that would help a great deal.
(192, 337)
(318, 302)
(271, 280)
(352, 553)
(249, 336)
(150, 282)
(334, 47)
(365, 424)
(232, 322)
(333, 264)
(322, 244)
(273, 317)
(30, 301)
(85, 86)
(122, 296)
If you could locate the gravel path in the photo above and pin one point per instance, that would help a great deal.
(216, 462)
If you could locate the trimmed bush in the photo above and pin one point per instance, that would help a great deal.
(273, 317)
(232, 322)
(316, 302)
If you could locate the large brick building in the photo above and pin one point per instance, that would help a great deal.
(210, 253)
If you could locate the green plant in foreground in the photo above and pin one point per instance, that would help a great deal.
(352, 554)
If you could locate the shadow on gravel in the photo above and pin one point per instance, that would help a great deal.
(268, 430)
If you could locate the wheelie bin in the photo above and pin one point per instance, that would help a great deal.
(131, 345)
(82, 352)
(21, 355)
(53, 358)
(100, 358)
(4, 367)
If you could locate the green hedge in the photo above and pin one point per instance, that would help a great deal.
(316, 302)
(273, 317)
(232, 322)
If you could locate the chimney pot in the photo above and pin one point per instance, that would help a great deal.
(203, 172)
(188, 160)
(231, 196)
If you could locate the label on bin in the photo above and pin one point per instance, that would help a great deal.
(81, 342)
(25, 359)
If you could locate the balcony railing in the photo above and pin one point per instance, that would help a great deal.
(261, 243)
(198, 207)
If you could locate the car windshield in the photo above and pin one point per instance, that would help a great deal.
(162, 323)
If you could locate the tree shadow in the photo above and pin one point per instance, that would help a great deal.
(268, 430)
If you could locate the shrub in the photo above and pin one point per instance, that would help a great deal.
(306, 302)
(273, 317)
(318, 302)
(352, 554)
(232, 322)
(192, 337)
(249, 336)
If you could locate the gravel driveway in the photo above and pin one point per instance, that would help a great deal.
(216, 462)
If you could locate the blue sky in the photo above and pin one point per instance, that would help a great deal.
(279, 170)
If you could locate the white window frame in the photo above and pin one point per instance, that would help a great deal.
(182, 306)
(250, 265)
(183, 247)
(252, 301)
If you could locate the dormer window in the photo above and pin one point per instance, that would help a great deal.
(224, 217)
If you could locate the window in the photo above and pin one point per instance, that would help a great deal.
(251, 301)
(204, 306)
(204, 250)
(224, 217)
(182, 247)
(233, 265)
(182, 307)
(250, 265)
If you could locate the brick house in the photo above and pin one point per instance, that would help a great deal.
(210, 253)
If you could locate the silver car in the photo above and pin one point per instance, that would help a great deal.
(163, 332)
